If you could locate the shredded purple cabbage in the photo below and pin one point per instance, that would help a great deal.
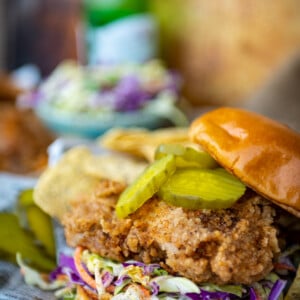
(53, 275)
(66, 266)
(107, 279)
(252, 294)
(121, 280)
(134, 263)
(277, 289)
(73, 278)
(129, 94)
(207, 295)
(148, 269)
(67, 261)
(154, 288)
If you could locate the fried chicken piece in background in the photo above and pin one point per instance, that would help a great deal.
(23, 137)
(23, 141)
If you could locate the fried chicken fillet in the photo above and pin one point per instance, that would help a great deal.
(235, 245)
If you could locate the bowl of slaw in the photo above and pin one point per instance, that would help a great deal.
(89, 100)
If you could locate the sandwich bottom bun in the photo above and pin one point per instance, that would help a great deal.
(261, 152)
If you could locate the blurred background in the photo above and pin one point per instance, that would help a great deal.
(225, 50)
(236, 53)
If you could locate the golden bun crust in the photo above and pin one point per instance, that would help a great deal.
(262, 153)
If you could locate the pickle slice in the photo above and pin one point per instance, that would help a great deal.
(145, 186)
(186, 156)
(15, 239)
(25, 197)
(41, 226)
(33, 218)
(196, 188)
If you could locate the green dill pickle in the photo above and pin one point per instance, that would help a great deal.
(196, 188)
(186, 156)
(15, 239)
(145, 186)
(36, 220)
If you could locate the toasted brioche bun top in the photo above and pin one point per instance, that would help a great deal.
(262, 153)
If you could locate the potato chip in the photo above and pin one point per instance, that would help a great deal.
(77, 175)
(142, 142)
(115, 167)
(64, 182)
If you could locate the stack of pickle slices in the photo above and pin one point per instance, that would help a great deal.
(182, 176)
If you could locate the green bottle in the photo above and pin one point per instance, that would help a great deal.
(119, 31)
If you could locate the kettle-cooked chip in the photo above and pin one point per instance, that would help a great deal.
(115, 167)
(64, 182)
(77, 175)
(142, 142)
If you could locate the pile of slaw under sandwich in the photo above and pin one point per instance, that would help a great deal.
(86, 275)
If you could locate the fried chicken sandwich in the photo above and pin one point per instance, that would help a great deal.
(196, 224)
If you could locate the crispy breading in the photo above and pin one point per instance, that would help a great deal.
(235, 245)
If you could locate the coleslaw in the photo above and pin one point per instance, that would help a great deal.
(94, 90)
(86, 275)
